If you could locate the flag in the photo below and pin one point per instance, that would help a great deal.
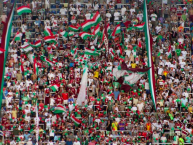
(17, 37)
(37, 44)
(91, 52)
(127, 23)
(112, 52)
(74, 52)
(108, 28)
(71, 34)
(82, 93)
(64, 34)
(73, 28)
(6, 33)
(37, 124)
(85, 35)
(59, 109)
(133, 78)
(26, 48)
(117, 30)
(48, 32)
(54, 87)
(51, 63)
(170, 52)
(92, 22)
(148, 42)
(76, 121)
(50, 39)
(23, 9)
(36, 69)
(96, 30)
(2, 50)
(139, 26)
(80, 60)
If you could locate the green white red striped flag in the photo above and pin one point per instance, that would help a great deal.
(149, 42)
(91, 52)
(139, 26)
(85, 35)
(64, 34)
(17, 37)
(59, 109)
(169, 52)
(54, 87)
(48, 32)
(50, 39)
(70, 34)
(37, 44)
(49, 61)
(96, 30)
(92, 22)
(73, 28)
(117, 30)
(76, 121)
(26, 48)
(108, 28)
(74, 52)
(35, 65)
(23, 9)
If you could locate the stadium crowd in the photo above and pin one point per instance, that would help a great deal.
(110, 115)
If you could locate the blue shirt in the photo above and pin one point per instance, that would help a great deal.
(184, 101)
(26, 136)
(68, 142)
(116, 93)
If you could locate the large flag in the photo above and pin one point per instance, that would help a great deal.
(149, 41)
(36, 45)
(91, 52)
(59, 109)
(85, 35)
(139, 26)
(117, 30)
(92, 22)
(23, 9)
(50, 39)
(26, 48)
(36, 69)
(51, 63)
(76, 121)
(73, 28)
(48, 32)
(82, 93)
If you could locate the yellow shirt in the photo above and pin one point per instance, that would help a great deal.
(14, 113)
(133, 65)
(114, 126)
(96, 74)
(190, 109)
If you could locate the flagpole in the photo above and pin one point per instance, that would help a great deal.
(106, 34)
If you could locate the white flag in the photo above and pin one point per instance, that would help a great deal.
(82, 94)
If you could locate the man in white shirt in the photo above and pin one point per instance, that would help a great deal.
(63, 11)
(158, 28)
(108, 15)
(76, 142)
(123, 10)
(160, 70)
(116, 15)
(140, 16)
(87, 15)
(47, 4)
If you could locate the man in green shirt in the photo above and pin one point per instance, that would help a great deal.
(184, 17)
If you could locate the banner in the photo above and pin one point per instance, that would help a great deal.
(5, 45)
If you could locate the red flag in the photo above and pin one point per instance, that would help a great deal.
(127, 23)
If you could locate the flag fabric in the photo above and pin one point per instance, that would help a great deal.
(127, 23)
(26, 48)
(82, 93)
(85, 35)
(96, 30)
(91, 52)
(92, 22)
(133, 78)
(2, 50)
(139, 26)
(50, 39)
(48, 32)
(76, 121)
(149, 42)
(37, 124)
(59, 109)
(17, 37)
(36, 45)
(112, 52)
(117, 30)
(55, 87)
(64, 34)
(51, 63)
(118, 73)
(169, 52)
(6, 33)
(139, 45)
(73, 28)
(108, 28)
(70, 34)
(23, 9)
(80, 60)
(36, 69)
(74, 52)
